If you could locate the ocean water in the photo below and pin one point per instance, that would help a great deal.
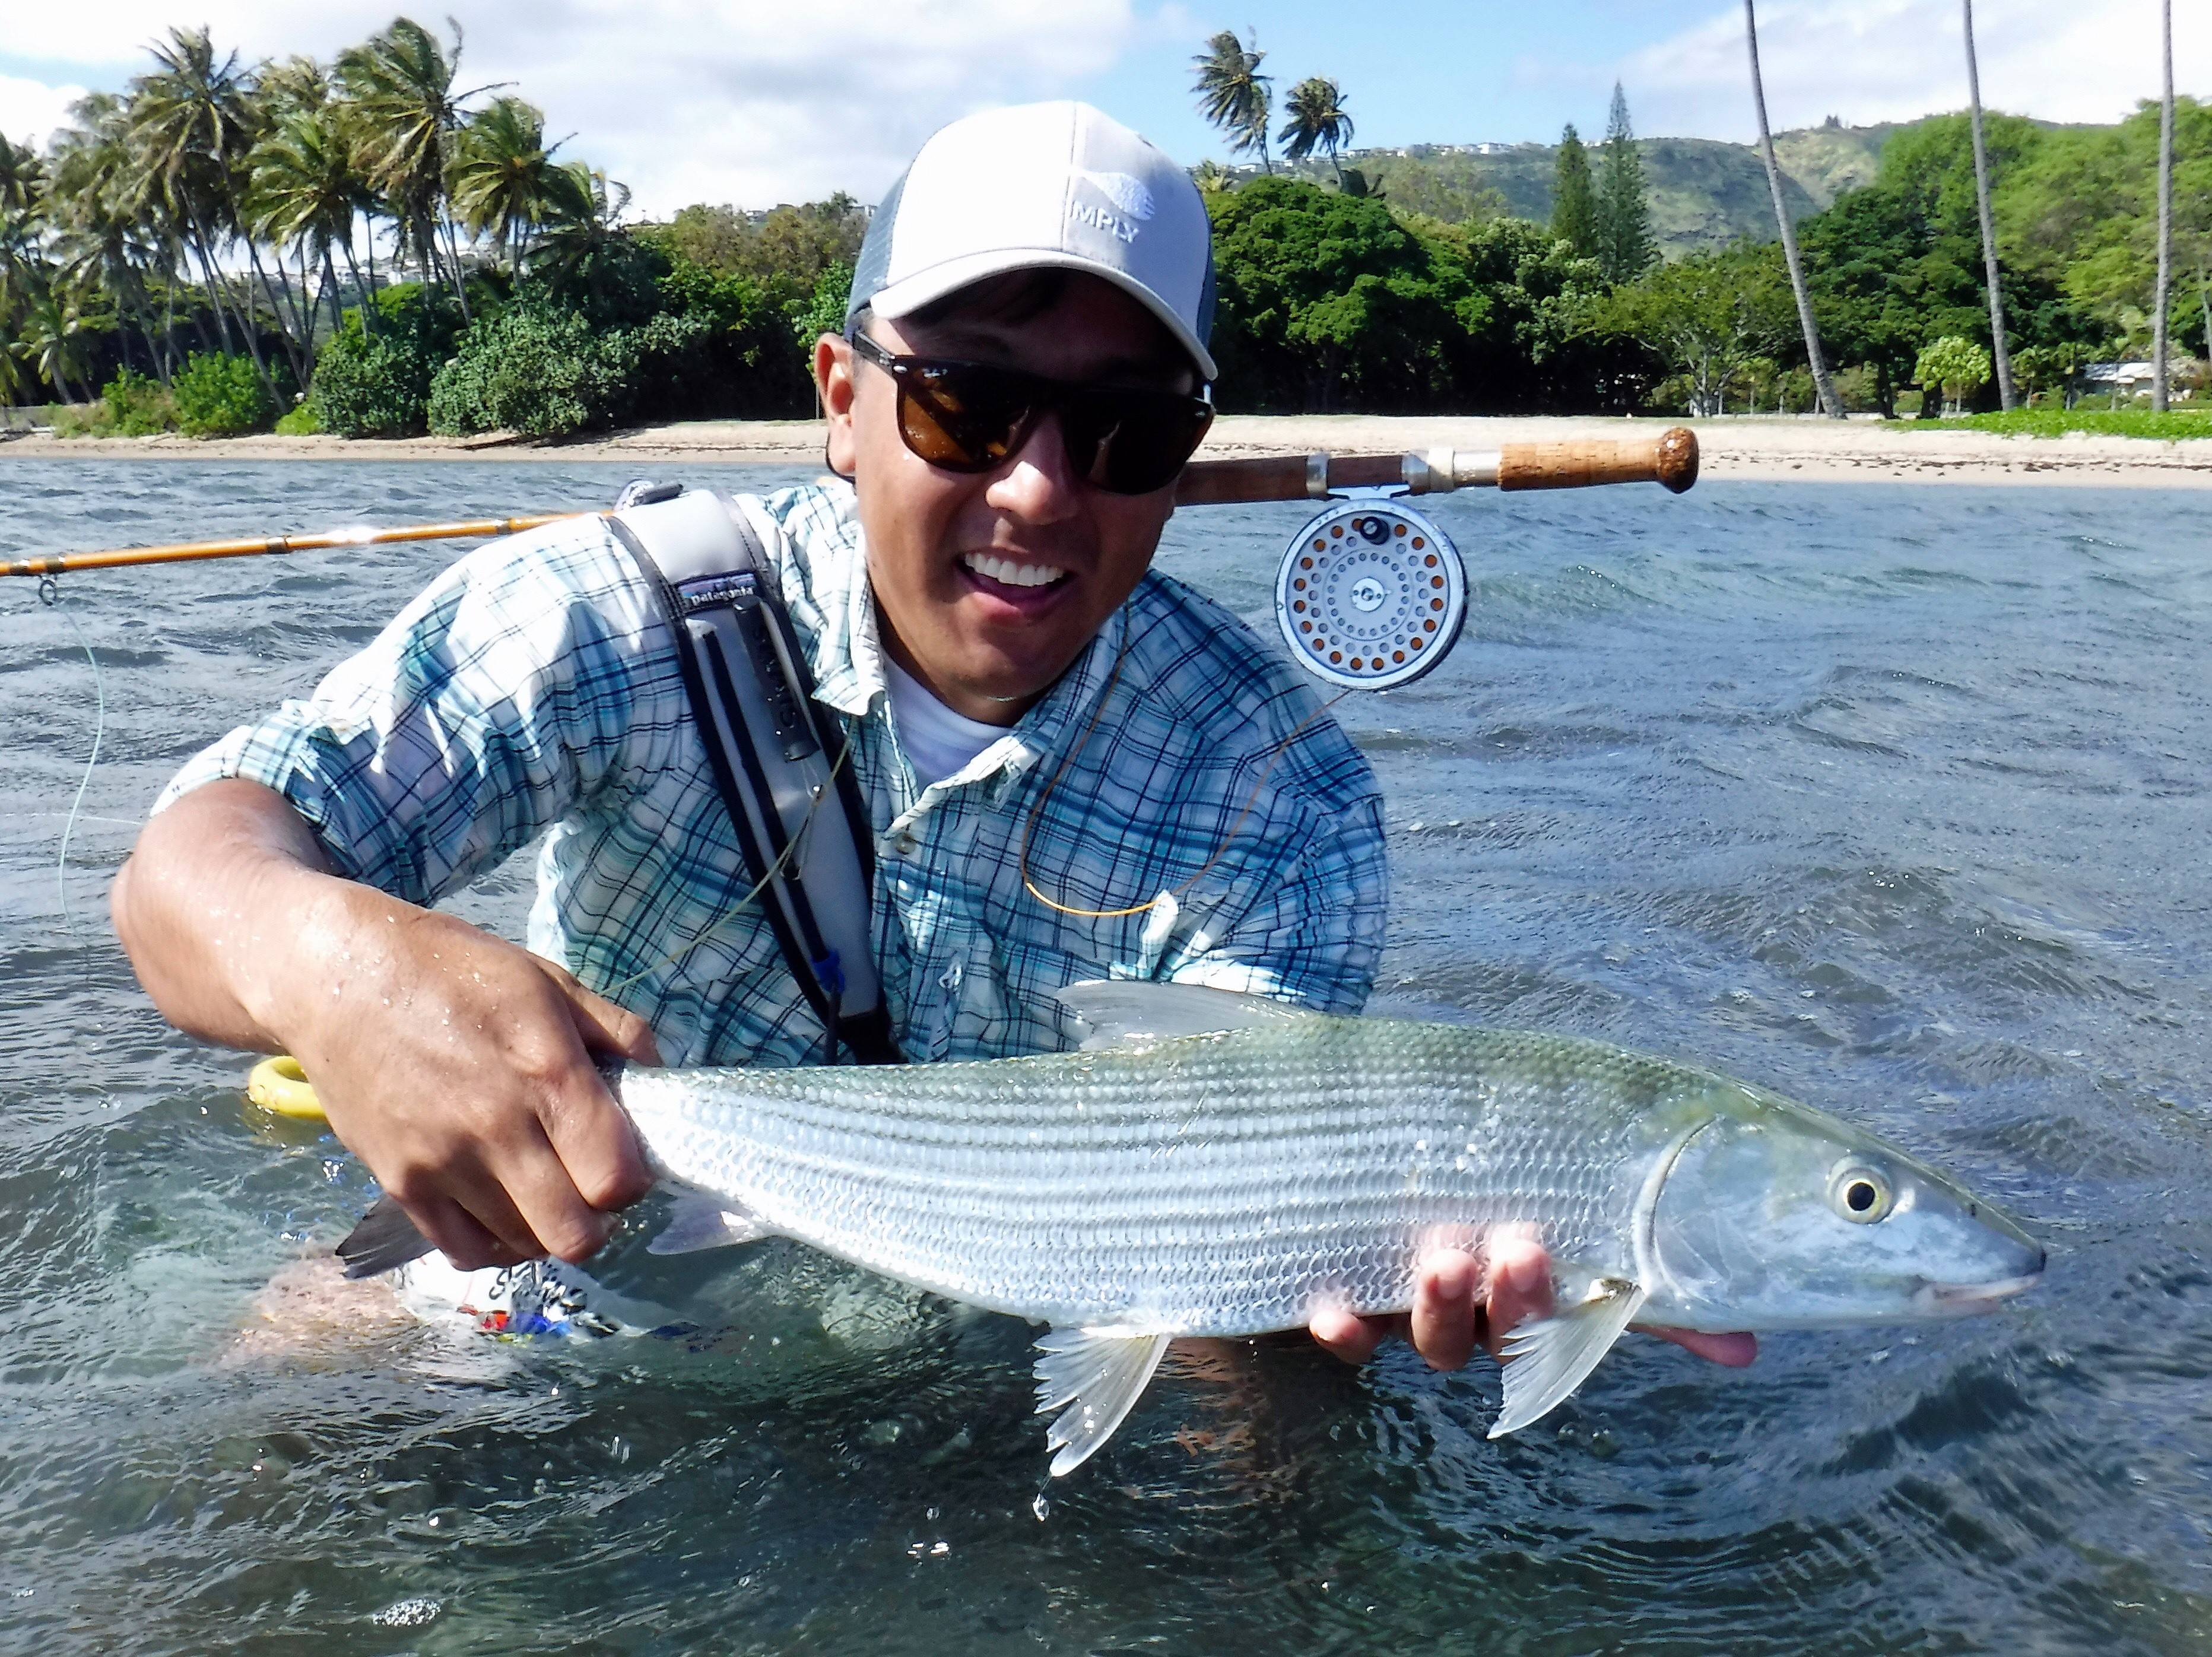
(1891, 798)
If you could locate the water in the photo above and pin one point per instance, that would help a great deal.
(1892, 798)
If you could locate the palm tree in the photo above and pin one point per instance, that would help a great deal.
(1831, 404)
(306, 192)
(1315, 120)
(2157, 348)
(403, 81)
(53, 339)
(104, 238)
(1233, 95)
(504, 178)
(195, 120)
(1998, 349)
(585, 208)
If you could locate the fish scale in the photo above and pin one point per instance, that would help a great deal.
(1211, 1185)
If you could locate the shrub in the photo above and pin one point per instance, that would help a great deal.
(219, 395)
(301, 422)
(375, 381)
(130, 405)
(546, 374)
(137, 405)
(1957, 365)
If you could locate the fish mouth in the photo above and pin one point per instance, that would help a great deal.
(1966, 1300)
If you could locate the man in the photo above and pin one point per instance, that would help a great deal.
(1074, 769)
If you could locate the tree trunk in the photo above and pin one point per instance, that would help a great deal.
(1997, 348)
(2158, 348)
(1831, 404)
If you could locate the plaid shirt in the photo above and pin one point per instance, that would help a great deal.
(533, 690)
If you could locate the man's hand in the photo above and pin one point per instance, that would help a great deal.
(457, 1065)
(1457, 1303)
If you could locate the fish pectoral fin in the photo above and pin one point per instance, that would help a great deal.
(1098, 1373)
(1547, 1359)
(700, 1220)
(1118, 1012)
(386, 1240)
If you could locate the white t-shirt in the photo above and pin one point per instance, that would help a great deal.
(938, 741)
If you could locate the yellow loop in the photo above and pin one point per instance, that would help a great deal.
(279, 1084)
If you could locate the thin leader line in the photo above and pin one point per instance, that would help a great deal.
(1251, 799)
(776, 869)
(50, 594)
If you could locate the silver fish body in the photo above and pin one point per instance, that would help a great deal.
(1221, 1165)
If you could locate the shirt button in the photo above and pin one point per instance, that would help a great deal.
(907, 845)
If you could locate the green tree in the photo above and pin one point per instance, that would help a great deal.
(1574, 206)
(306, 191)
(1959, 366)
(1327, 302)
(1234, 96)
(1624, 246)
(402, 83)
(1713, 316)
(1314, 118)
(504, 177)
(192, 122)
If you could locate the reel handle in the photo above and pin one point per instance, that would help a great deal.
(1669, 459)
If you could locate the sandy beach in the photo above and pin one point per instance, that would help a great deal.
(1738, 448)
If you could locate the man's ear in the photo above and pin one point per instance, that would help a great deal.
(833, 384)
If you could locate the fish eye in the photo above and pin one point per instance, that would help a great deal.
(1860, 1192)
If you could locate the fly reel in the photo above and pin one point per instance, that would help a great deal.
(1370, 595)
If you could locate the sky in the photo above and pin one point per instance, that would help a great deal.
(755, 103)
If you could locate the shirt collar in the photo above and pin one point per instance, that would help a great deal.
(848, 660)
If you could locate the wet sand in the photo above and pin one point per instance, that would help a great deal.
(1752, 448)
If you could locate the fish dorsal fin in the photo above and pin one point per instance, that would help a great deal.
(700, 1220)
(1098, 1373)
(1548, 1359)
(1123, 1011)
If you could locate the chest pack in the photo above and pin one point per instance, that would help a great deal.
(780, 759)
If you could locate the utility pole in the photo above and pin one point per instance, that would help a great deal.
(1997, 347)
(1831, 404)
(2158, 387)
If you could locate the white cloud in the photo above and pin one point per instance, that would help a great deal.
(32, 110)
(685, 101)
(1886, 60)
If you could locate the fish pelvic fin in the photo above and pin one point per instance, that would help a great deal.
(1098, 1373)
(384, 1239)
(700, 1220)
(1547, 1358)
(1123, 1012)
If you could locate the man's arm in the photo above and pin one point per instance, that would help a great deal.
(456, 1065)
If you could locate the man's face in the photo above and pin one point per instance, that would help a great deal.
(988, 584)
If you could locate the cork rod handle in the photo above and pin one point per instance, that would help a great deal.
(1669, 459)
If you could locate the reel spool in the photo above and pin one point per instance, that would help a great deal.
(1370, 595)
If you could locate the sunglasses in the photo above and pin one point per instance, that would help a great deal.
(971, 417)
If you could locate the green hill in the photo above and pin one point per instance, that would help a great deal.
(1703, 193)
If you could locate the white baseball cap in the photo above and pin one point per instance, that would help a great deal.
(1060, 186)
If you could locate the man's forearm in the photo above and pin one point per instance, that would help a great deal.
(215, 905)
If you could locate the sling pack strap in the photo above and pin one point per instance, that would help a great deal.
(798, 813)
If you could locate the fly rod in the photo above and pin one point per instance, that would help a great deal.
(1669, 459)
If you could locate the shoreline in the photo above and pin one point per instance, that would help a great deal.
(1737, 448)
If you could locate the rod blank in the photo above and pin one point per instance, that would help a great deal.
(1669, 459)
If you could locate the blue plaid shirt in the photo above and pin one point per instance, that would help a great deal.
(532, 690)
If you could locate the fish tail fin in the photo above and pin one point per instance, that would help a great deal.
(385, 1238)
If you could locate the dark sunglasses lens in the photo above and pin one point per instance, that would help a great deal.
(962, 417)
(1132, 442)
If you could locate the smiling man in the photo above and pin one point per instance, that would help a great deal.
(1074, 767)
